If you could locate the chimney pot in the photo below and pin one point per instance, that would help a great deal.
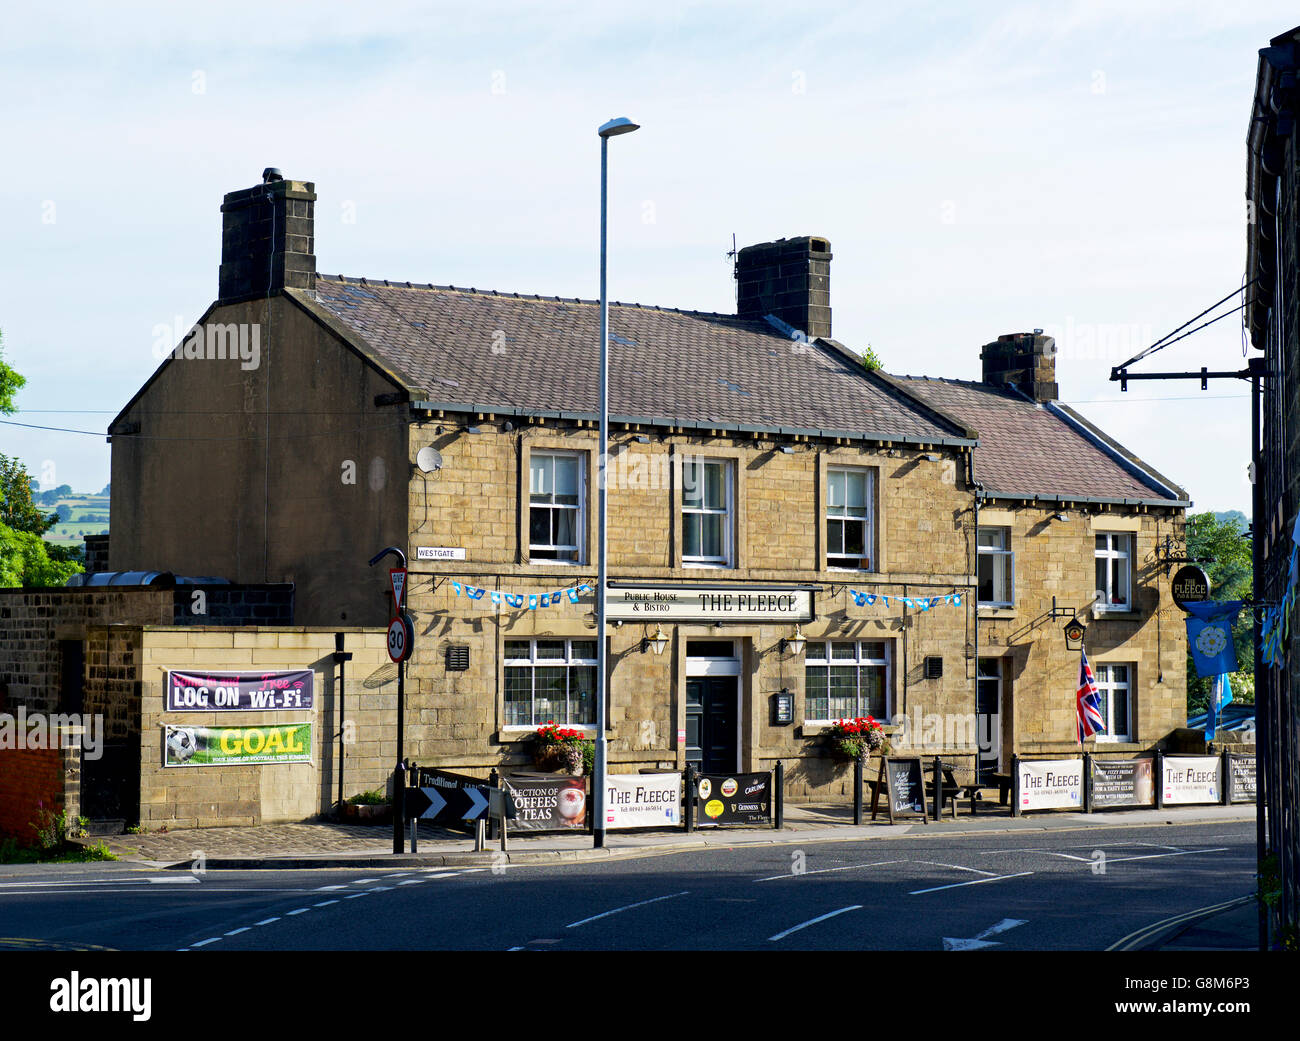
(1026, 361)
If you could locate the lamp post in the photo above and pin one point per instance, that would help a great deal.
(613, 128)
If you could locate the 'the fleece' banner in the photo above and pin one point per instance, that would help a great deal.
(643, 801)
(238, 691)
(1191, 779)
(1051, 784)
(237, 746)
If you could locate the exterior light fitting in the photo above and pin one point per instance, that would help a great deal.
(655, 643)
(795, 642)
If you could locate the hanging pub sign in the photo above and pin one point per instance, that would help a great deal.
(1123, 782)
(1190, 584)
(734, 799)
(712, 604)
(199, 691)
(1074, 630)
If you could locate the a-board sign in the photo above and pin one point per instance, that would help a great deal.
(548, 803)
(902, 782)
(734, 799)
(1241, 778)
(1123, 782)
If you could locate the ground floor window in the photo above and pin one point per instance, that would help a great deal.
(550, 680)
(846, 679)
(1115, 685)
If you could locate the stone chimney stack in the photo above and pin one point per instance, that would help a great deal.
(268, 239)
(1026, 361)
(788, 278)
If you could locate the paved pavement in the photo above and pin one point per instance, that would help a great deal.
(1232, 926)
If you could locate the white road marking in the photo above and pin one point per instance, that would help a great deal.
(268, 921)
(516, 948)
(210, 939)
(1157, 856)
(379, 889)
(325, 903)
(412, 882)
(812, 921)
(300, 910)
(444, 874)
(236, 932)
(973, 882)
(955, 867)
(981, 940)
(357, 896)
(627, 907)
(165, 880)
(364, 881)
(326, 889)
(822, 871)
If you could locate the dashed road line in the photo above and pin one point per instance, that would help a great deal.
(626, 907)
(300, 910)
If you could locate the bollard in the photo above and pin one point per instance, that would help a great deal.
(1087, 782)
(938, 789)
(857, 791)
(690, 786)
(778, 783)
(1159, 768)
(1015, 786)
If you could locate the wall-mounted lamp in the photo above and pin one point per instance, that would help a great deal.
(795, 642)
(1060, 515)
(641, 439)
(787, 450)
(655, 643)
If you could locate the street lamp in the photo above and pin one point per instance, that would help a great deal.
(613, 128)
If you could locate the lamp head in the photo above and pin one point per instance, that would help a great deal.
(619, 125)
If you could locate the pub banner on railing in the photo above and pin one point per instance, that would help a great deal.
(643, 801)
(734, 799)
(259, 690)
(1051, 784)
(548, 803)
(1241, 777)
(236, 746)
(1191, 779)
(1123, 782)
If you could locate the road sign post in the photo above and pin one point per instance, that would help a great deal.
(406, 637)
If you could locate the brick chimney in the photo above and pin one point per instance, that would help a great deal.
(267, 239)
(1026, 361)
(788, 278)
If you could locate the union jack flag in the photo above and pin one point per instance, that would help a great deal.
(1088, 702)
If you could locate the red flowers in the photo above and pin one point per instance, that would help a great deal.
(854, 727)
(552, 734)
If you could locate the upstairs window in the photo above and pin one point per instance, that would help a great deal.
(707, 521)
(555, 507)
(1114, 557)
(995, 568)
(849, 537)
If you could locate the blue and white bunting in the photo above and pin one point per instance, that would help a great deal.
(532, 601)
(922, 603)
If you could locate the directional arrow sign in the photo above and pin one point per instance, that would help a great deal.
(446, 805)
(976, 942)
(425, 803)
(478, 803)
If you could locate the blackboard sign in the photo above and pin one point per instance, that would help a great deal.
(903, 783)
(1241, 778)
(1125, 782)
(734, 799)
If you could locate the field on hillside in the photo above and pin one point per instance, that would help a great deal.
(88, 516)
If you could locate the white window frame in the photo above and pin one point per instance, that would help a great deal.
(1119, 546)
(990, 552)
(858, 660)
(578, 556)
(868, 521)
(532, 663)
(728, 514)
(1111, 688)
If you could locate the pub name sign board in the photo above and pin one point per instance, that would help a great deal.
(711, 604)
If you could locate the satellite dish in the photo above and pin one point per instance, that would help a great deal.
(428, 459)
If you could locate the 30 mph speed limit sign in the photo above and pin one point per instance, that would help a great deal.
(401, 637)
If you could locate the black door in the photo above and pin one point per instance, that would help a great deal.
(988, 724)
(711, 707)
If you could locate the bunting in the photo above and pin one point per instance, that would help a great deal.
(532, 601)
(1276, 629)
(915, 603)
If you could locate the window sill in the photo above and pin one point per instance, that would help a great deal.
(1116, 613)
(996, 612)
(515, 734)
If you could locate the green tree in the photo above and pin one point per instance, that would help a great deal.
(17, 510)
(1221, 541)
(10, 384)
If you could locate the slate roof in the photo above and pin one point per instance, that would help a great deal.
(507, 352)
(1026, 450)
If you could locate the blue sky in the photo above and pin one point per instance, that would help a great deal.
(979, 169)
